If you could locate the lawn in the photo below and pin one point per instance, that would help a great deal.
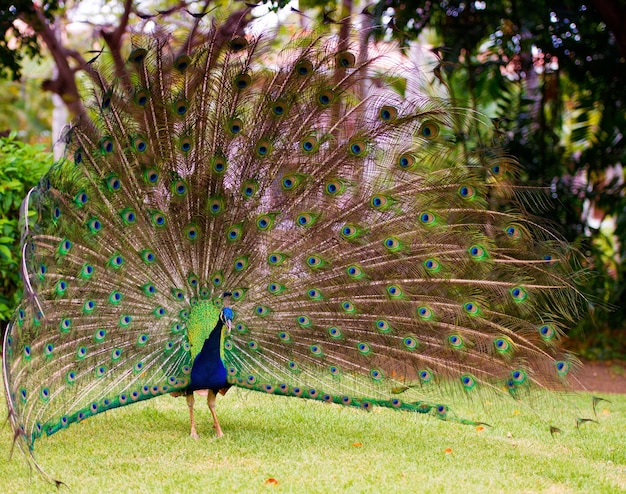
(276, 444)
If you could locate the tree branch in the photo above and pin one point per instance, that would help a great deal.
(65, 83)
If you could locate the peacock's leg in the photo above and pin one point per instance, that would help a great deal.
(211, 398)
(190, 402)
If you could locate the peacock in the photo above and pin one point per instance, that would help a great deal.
(307, 221)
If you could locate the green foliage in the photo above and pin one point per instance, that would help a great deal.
(24, 106)
(21, 167)
(17, 43)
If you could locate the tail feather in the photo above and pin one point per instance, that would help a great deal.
(375, 255)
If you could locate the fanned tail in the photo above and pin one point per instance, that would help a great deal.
(376, 257)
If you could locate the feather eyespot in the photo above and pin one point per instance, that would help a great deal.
(392, 244)
(217, 279)
(547, 332)
(345, 59)
(64, 247)
(234, 233)
(432, 265)
(513, 232)
(325, 98)
(467, 192)
(263, 148)
(471, 308)
(309, 144)
(141, 97)
(182, 63)
(148, 256)
(429, 130)
(238, 43)
(550, 260)
(59, 288)
(519, 294)
(261, 311)
(363, 348)
(216, 205)
(279, 108)
(304, 321)
(406, 161)
(139, 144)
(89, 306)
(349, 231)
(306, 219)
(382, 326)
(424, 313)
(138, 55)
(314, 294)
(115, 297)
(477, 252)
(242, 81)
(113, 183)
(249, 188)
(427, 218)
(518, 376)
(562, 368)
(276, 259)
(410, 342)
(335, 187)
(455, 341)
(275, 288)
(106, 145)
(128, 216)
(235, 126)
(158, 219)
(355, 272)
(192, 232)
(395, 292)
(502, 345)
(334, 332)
(348, 307)
(468, 381)
(376, 374)
(304, 67)
(179, 187)
(151, 176)
(116, 261)
(357, 147)
(185, 144)
(388, 113)
(241, 263)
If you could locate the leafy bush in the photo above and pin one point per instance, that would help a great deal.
(21, 167)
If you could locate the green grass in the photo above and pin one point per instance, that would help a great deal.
(313, 447)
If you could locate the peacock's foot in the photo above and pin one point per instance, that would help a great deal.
(194, 435)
